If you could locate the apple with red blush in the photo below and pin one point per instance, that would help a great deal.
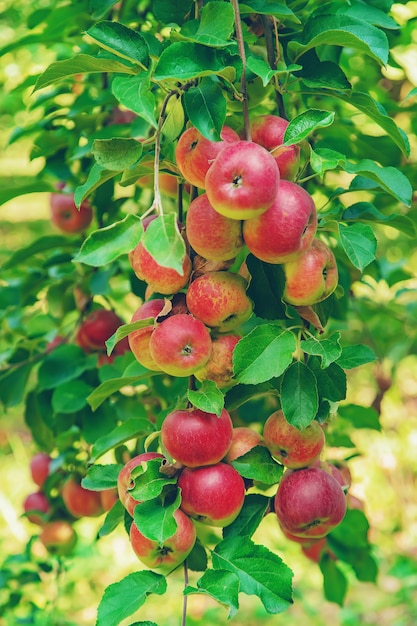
(98, 326)
(139, 339)
(80, 502)
(39, 467)
(269, 131)
(163, 280)
(219, 367)
(124, 482)
(66, 216)
(58, 537)
(36, 507)
(243, 440)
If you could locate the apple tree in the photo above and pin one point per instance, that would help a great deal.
(218, 175)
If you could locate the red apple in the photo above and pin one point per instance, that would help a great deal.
(66, 216)
(172, 552)
(269, 131)
(58, 537)
(210, 234)
(219, 367)
(219, 300)
(314, 550)
(139, 339)
(243, 440)
(243, 180)
(213, 494)
(291, 446)
(36, 506)
(286, 229)
(309, 502)
(96, 328)
(336, 473)
(108, 498)
(81, 502)
(353, 502)
(312, 277)
(180, 345)
(194, 153)
(125, 484)
(160, 279)
(39, 467)
(194, 438)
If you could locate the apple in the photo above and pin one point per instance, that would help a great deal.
(309, 502)
(194, 438)
(108, 498)
(286, 229)
(66, 216)
(314, 550)
(172, 552)
(269, 131)
(210, 234)
(291, 446)
(139, 339)
(219, 367)
(80, 502)
(96, 328)
(353, 502)
(121, 116)
(168, 183)
(243, 180)
(36, 507)
(312, 277)
(194, 153)
(160, 279)
(337, 473)
(39, 467)
(125, 484)
(213, 494)
(58, 537)
(219, 300)
(243, 440)
(180, 345)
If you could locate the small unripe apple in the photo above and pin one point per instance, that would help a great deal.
(39, 467)
(66, 216)
(81, 502)
(125, 484)
(58, 537)
(139, 339)
(243, 440)
(291, 446)
(219, 367)
(269, 131)
(36, 506)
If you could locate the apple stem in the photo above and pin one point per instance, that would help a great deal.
(185, 600)
(241, 45)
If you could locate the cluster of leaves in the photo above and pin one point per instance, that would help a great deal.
(173, 64)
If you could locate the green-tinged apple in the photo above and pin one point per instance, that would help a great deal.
(108, 498)
(58, 537)
(81, 502)
(164, 280)
(210, 234)
(286, 229)
(243, 440)
(139, 339)
(243, 180)
(269, 131)
(213, 494)
(309, 502)
(219, 367)
(219, 300)
(194, 153)
(193, 437)
(180, 345)
(291, 446)
(66, 216)
(312, 277)
(125, 484)
(96, 328)
(39, 467)
(165, 556)
(36, 507)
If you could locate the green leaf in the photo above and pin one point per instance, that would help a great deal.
(305, 123)
(99, 8)
(13, 385)
(131, 429)
(100, 477)
(370, 14)
(206, 108)
(197, 559)
(46, 243)
(162, 239)
(240, 394)
(109, 387)
(155, 520)
(80, 64)
(123, 331)
(214, 28)
(299, 398)
(174, 120)
(149, 480)
(318, 74)
(66, 362)
(334, 581)
(12, 188)
(359, 243)
(258, 464)
(263, 354)
(121, 41)
(207, 398)
(184, 61)
(107, 244)
(268, 7)
(36, 421)
(96, 177)
(324, 159)
(354, 356)
(117, 153)
(388, 178)
(260, 572)
(113, 518)
(134, 92)
(254, 509)
(167, 11)
(70, 397)
(328, 349)
(261, 68)
(331, 382)
(221, 585)
(123, 598)
(360, 416)
(367, 212)
(353, 531)
(266, 288)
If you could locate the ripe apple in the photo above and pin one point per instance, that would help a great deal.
(139, 339)
(194, 153)
(172, 552)
(219, 367)
(286, 229)
(243, 180)
(243, 440)
(314, 550)
(96, 328)
(213, 494)
(309, 502)
(269, 131)
(108, 498)
(194, 438)
(80, 502)
(36, 506)
(66, 216)
(160, 279)
(332, 469)
(125, 484)
(219, 300)
(39, 467)
(180, 345)
(291, 446)
(212, 235)
(58, 537)
(312, 277)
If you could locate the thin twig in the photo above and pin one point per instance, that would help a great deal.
(185, 601)
(241, 45)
